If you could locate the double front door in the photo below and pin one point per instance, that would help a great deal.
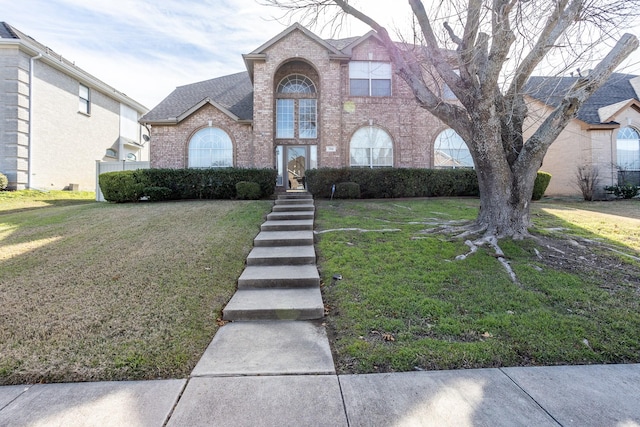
(292, 162)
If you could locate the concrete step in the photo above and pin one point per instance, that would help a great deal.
(288, 225)
(280, 216)
(290, 276)
(283, 238)
(282, 255)
(295, 195)
(294, 201)
(275, 304)
(293, 208)
(267, 348)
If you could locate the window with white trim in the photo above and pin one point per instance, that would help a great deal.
(296, 108)
(84, 99)
(210, 148)
(628, 149)
(371, 147)
(450, 151)
(369, 78)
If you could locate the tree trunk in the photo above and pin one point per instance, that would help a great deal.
(505, 185)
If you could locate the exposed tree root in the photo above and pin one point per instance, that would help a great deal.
(384, 230)
(499, 254)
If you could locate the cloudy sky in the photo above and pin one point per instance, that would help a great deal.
(145, 48)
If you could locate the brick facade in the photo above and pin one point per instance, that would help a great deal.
(412, 129)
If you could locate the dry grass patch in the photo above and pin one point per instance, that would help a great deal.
(98, 291)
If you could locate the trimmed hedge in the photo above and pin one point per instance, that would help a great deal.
(247, 190)
(4, 182)
(395, 182)
(540, 185)
(175, 184)
(347, 190)
(122, 186)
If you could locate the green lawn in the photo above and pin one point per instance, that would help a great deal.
(406, 303)
(99, 291)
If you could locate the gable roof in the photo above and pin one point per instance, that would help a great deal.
(614, 94)
(259, 54)
(232, 94)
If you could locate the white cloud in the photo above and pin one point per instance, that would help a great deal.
(145, 48)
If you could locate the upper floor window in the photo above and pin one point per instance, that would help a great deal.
(210, 148)
(296, 108)
(628, 149)
(296, 83)
(84, 101)
(369, 78)
(371, 147)
(450, 151)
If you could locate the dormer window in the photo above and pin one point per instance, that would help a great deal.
(369, 78)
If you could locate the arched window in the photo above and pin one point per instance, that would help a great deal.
(210, 148)
(296, 83)
(628, 149)
(296, 94)
(371, 147)
(450, 151)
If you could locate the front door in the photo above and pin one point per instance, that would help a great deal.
(296, 159)
(293, 162)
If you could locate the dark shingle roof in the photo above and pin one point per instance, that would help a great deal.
(6, 31)
(233, 92)
(342, 43)
(551, 90)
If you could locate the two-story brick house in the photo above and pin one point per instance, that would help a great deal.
(303, 103)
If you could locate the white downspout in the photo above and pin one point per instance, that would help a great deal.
(32, 60)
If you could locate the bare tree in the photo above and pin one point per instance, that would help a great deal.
(497, 46)
(587, 180)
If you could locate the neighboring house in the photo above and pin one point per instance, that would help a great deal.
(605, 136)
(303, 102)
(57, 120)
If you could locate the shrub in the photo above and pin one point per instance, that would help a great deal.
(185, 183)
(157, 194)
(540, 185)
(122, 186)
(4, 182)
(347, 190)
(395, 182)
(624, 191)
(587, 178)
(247, 190)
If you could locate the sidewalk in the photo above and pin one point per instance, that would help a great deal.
(596, 395)
(272, 366)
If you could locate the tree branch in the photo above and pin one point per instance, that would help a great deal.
(557, 24)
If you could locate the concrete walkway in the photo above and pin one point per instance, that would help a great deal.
(272, 366)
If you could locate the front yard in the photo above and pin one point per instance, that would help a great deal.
(406, 303)
(97, 291)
